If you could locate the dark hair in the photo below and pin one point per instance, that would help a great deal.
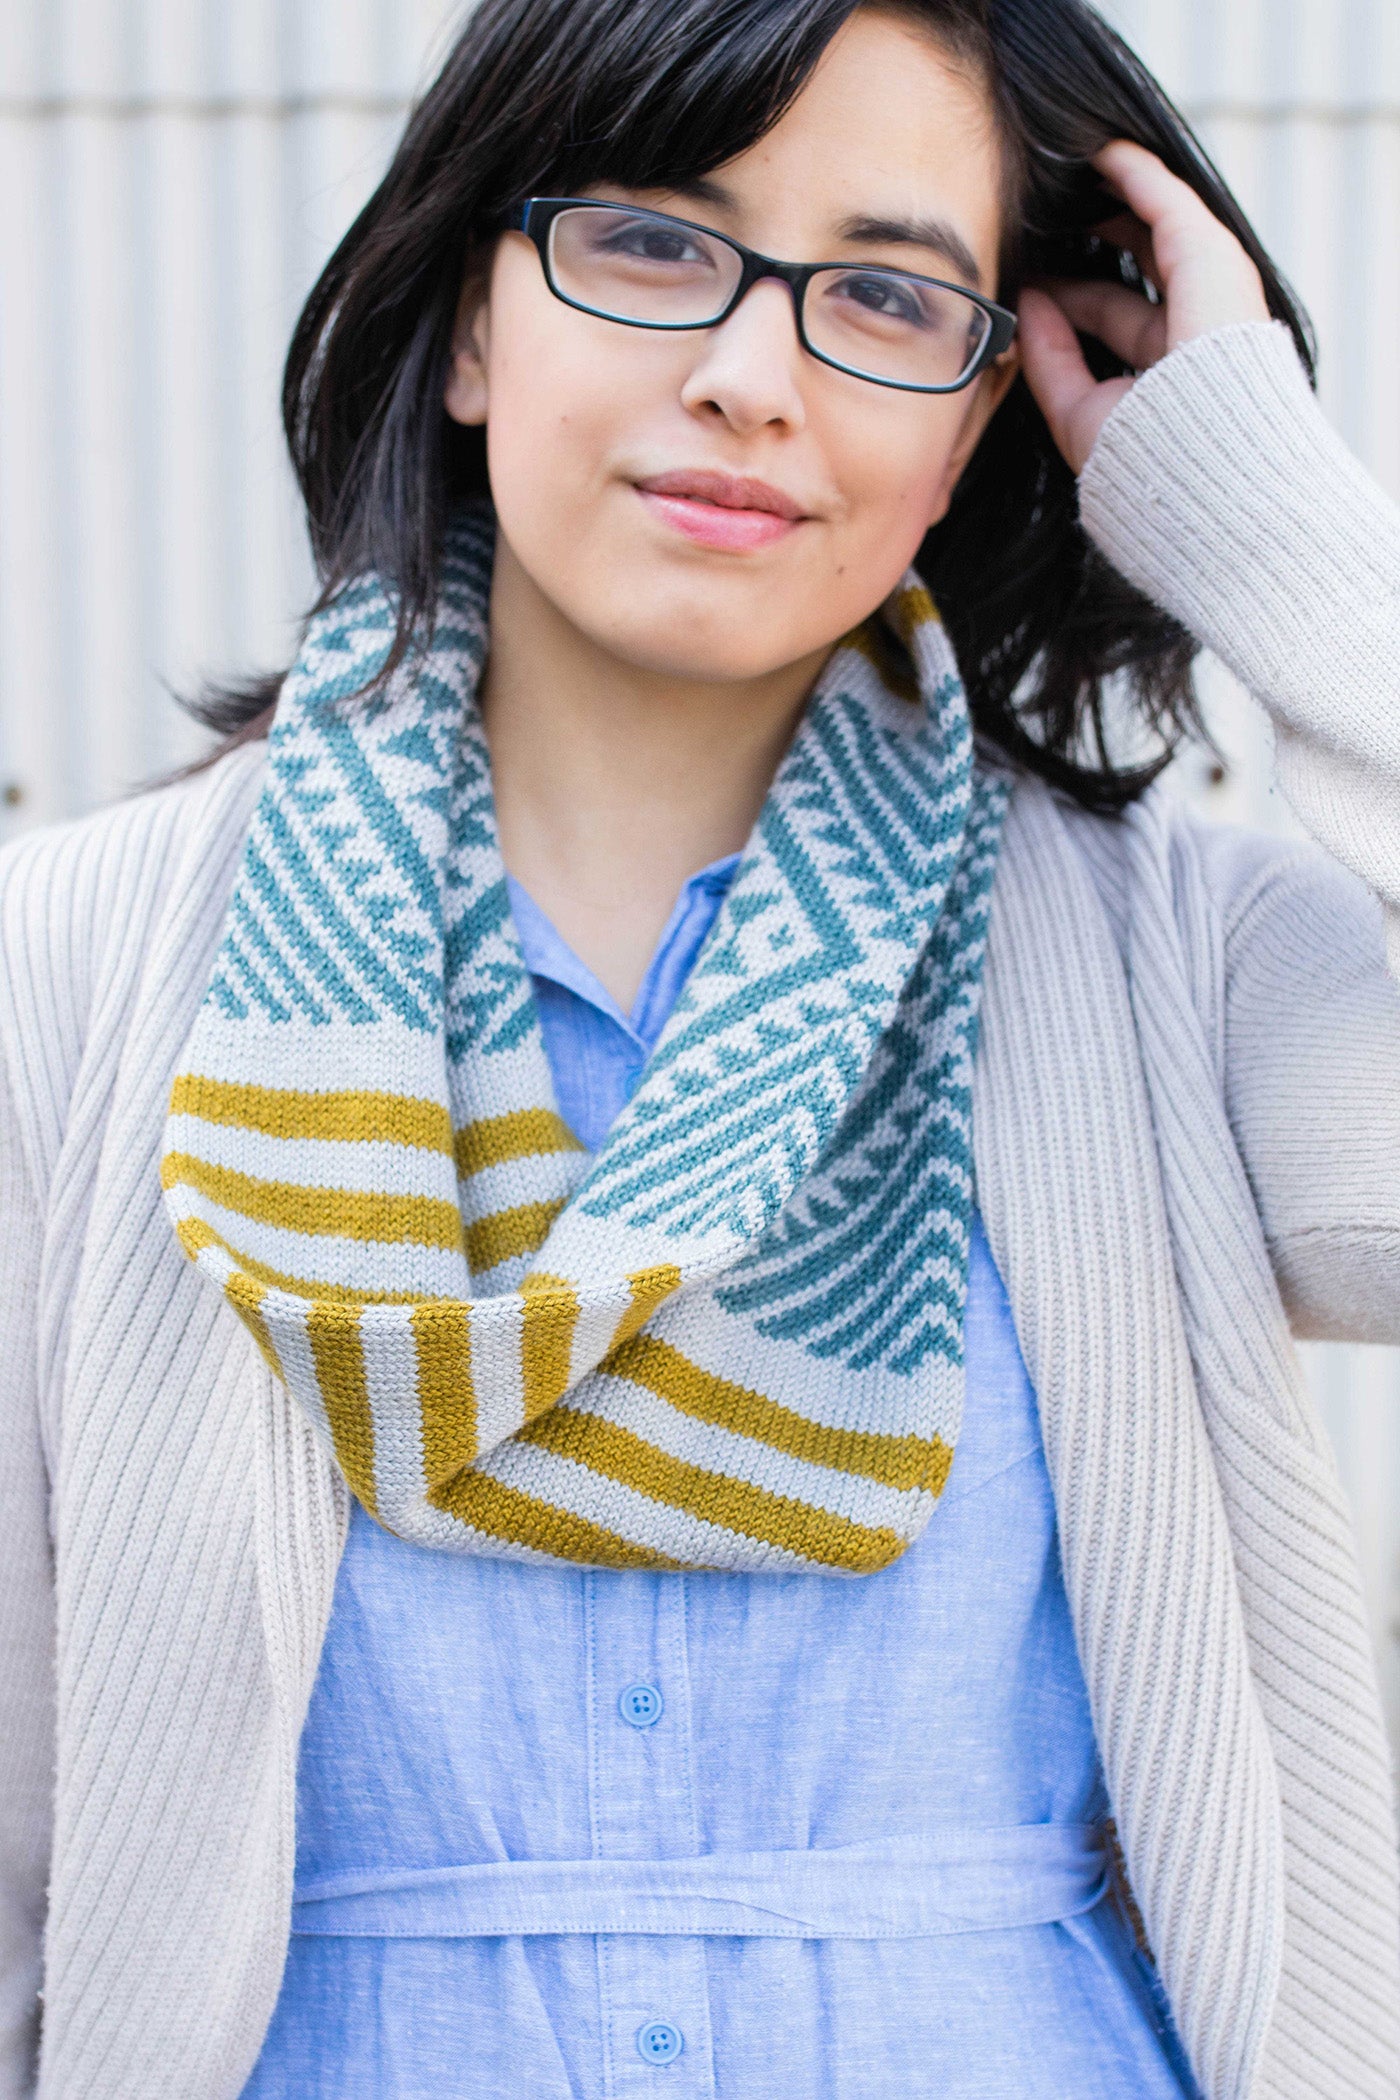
(551, 96)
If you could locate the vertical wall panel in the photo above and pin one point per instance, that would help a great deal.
(173, 173)
(31, 677)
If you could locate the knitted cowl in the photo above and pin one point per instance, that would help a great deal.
(734, 1337)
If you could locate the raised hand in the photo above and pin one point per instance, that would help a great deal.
(1203, 277)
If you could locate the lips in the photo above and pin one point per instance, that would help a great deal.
(729, 513)
(724, 491)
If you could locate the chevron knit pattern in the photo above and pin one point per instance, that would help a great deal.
(734, 1338)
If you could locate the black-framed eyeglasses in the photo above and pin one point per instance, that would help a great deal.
(649, 270)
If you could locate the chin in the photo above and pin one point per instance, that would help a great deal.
(718, 628)
(692, 648)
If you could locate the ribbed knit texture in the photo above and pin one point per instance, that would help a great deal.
(1317, 636)
(173, 1749)
(1186, 1104)
(1190, 493)
(723, 1342)
(1244, 1707)
(26, 1631)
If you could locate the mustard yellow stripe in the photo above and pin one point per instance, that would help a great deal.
(284, 1112)
(333, 1332)
(194, 1236)
(735, 1505)
(352, 1214)
(298, 1286)
(896, 1461)
(246, 1296)
(911, 609)
(446, 1395)
(502, 1234)
(243, 1292)
(547, 1340)
(506, 1513)
(650, 1288)
(862, 640)
(883, 653)
(495, 1139)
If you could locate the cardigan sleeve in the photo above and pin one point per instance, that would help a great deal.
(1310, 1043)
(1218, 487)
(26, 1621)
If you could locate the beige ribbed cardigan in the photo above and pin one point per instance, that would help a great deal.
(1188, 1134)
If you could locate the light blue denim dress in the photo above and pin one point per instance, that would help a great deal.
(569, 1834)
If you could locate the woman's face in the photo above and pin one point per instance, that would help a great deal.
(889, 156)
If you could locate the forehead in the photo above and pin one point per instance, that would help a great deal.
(889, 126)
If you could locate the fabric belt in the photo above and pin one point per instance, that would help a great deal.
(962, 1880)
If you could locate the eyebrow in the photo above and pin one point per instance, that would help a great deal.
(863, 230)
(935, 234)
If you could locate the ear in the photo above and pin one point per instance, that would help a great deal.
(990, 390)
(464, 395)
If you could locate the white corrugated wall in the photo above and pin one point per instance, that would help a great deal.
(173, 171)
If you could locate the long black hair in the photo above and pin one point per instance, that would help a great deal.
(552, 96)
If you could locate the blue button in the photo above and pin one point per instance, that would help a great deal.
(659, 2042)
(641, 1706)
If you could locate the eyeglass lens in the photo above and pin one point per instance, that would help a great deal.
(881, 323)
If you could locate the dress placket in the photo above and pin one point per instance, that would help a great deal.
(654, 2006)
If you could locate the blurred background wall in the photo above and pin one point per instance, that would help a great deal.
(172, 173)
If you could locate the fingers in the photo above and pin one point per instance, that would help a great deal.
(1131, 326)
(1147, 186)
(1072, 401)
(1051, 355)
(1207, 278)
(1181, 230)
(1204, 276)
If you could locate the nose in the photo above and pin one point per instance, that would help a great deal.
(749, 369)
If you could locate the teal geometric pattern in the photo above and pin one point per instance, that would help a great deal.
(340, 911)
(365, 1152)
(830, 1018)
(868, 1261)
(801, 978)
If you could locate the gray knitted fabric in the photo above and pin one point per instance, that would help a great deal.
(1188, 1135)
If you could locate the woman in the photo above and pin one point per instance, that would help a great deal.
(552, 1547)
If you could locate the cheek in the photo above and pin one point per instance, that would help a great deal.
(564, 393)
(895, 462)
(547, 425)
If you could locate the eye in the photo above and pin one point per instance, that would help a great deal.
(644, 241)
(889, 298)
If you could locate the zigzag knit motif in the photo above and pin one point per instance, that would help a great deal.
(732, 1339)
